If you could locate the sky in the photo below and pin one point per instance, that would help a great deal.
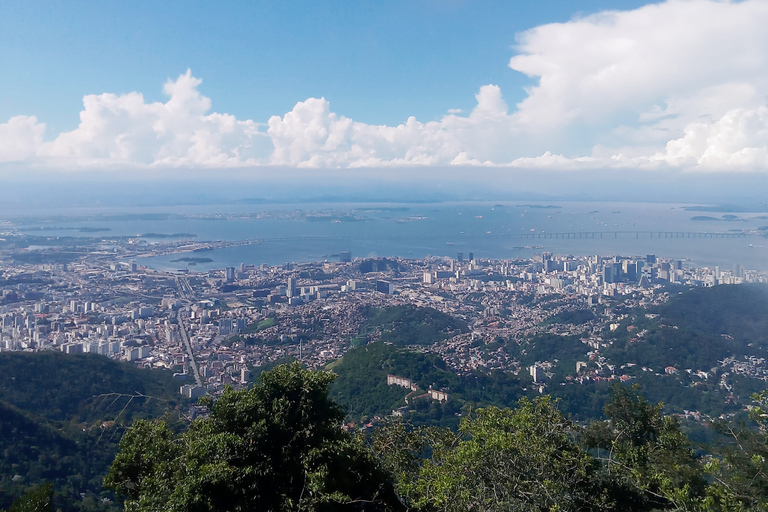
(593, 87)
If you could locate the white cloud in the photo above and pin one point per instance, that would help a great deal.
(125, 130)
(739, 139)
(644, 75)
(313, 136)
(682, 83)
(20, 138)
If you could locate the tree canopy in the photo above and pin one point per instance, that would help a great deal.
(277, 446)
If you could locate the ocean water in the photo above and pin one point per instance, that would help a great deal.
(317, 232)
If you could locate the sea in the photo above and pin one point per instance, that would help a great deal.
(310, 232)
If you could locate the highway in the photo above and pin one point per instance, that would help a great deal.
(186, 292)
(188, 345)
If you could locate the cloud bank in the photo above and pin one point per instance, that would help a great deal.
(680, 84)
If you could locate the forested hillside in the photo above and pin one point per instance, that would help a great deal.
(61, 417)
(410, 325)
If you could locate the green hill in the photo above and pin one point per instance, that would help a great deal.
(74, 387)
(361, 386)
(697, 328)
(61, 417)
(693, 330)
(35, 450)
(411, 325)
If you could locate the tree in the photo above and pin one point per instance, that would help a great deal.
(275, 447)
(39, 499)
(647, 457)
(502, 459)
(740, 467)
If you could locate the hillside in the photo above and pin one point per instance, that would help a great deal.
(35, 450)
(695, 330)
(361, 385)
(72, 387)
(411, 325)
(61, 417)
(698, 328)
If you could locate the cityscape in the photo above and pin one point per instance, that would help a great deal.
(216, 328)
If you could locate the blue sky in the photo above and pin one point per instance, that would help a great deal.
(379, 63)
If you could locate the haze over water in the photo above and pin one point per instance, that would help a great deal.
(504, 230)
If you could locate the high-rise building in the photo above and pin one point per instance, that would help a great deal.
(290, 290)
(611, 272)
(537, 373)
(230, 274)
(345, 257)
(226, 326)
(385, 287)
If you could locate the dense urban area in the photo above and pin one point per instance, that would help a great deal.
(214, 328)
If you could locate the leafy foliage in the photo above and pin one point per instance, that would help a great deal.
(411, 325)
(276, 446)
(502, 459)
(39, 499)
(740, 468)
(646, 453)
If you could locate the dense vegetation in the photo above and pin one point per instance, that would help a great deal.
(278, 447)
(361, 386)
(82, 387)
(411, 325)
(698, 328)
(695, 330)
(61, 417)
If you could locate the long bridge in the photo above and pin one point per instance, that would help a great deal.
(573, 235)
(449, 238)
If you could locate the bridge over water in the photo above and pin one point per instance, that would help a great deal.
(565, 235)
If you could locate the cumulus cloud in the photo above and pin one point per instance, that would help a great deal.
(313, 136)
(643, 76)
(738, 139)
(125, 130)
(20, 138)
(683, 83)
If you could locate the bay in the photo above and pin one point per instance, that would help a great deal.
(303, 232)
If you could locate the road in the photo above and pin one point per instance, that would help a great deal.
(188, 345)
